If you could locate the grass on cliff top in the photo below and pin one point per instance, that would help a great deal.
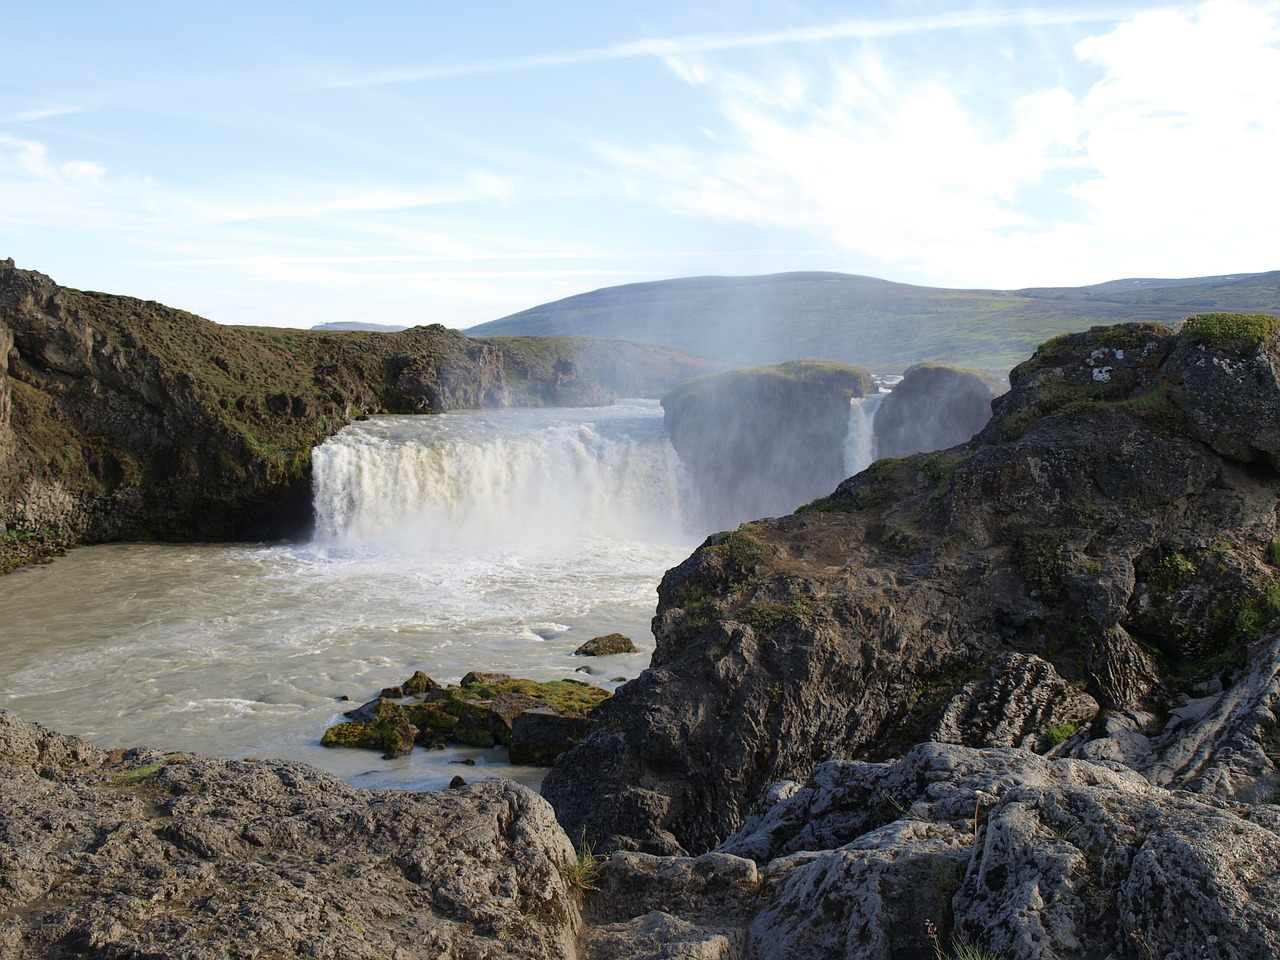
(1231, 331)
(854, 380)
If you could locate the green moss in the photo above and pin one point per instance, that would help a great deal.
(1059, 732)
(1171, 573)
(901, 544)
(1042, 559)
(938, 468)
(832, 504)
(738, 547)
(768, 615)
(1230, 331)
(143, 773)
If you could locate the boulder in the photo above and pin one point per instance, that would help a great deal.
(605, 646)
(481, 711)
(994, 851)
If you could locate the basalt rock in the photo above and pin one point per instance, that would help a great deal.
(934, 407)
(142, 854)
(608, 645)
(763, 440)
(1090, 560)
(126, 419)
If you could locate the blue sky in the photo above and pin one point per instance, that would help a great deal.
(444, 162)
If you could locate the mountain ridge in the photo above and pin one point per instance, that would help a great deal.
(878, 323)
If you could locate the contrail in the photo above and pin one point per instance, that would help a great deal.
(704, 43)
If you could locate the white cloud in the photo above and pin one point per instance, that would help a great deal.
(1163, 165)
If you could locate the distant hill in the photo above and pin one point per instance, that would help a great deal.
(887, 326)
(360, 325)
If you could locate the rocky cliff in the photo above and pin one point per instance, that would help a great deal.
(125, 419)
(934, 407)
(760, 441)
(1098, 565)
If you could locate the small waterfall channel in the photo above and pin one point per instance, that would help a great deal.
(860, 442)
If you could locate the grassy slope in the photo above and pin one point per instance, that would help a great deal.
(873, 322)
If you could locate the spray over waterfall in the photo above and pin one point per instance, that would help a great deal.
(532, 478)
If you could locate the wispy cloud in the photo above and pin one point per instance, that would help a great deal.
(40, 113)
(663, 47)
(1157, 167)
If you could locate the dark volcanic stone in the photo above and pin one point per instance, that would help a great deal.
(1090, 525)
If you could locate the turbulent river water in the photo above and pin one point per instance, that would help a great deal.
(484, 540)
(494, 541)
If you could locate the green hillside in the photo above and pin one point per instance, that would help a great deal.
(887, 326)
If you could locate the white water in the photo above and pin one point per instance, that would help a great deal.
(493, 541)
(860, 442)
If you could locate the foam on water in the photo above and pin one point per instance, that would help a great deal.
(488, 541)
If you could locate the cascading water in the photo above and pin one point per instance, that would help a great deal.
(860, 442)
(527, 478)
(486, 540)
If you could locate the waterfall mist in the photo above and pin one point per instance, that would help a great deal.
(523, 478)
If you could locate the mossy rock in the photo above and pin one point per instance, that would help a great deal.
(1230, 331)
(608, 645)
(394, 736)
(479, 713)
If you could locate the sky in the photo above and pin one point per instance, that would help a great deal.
(444, 162)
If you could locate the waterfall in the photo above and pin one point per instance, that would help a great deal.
(859, 444)
(541, 479)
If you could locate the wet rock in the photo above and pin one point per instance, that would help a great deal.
(480, 712)
(762, 441)
(606, 646)
(540, 734)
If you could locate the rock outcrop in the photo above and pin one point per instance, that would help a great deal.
(1099, 565)
(142, 854)
(763, 440)
(935, 406)
(1000, 851)
(125, 419)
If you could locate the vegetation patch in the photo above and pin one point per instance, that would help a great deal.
(902, 544)
(1235, 332)
(1059, 732)
(768, 615)
(1043, 560)
(831, 504)
(1172, 573)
